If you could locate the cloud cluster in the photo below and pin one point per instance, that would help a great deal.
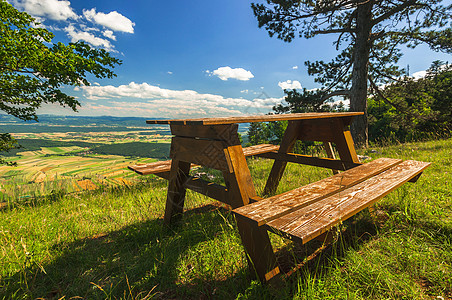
(160, 102)
(52, 9)
(77, 35)
(76, 26)
(419, 75)
(112, 20)
(289, 85)
(225, 73)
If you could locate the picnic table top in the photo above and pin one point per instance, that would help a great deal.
(255, 118)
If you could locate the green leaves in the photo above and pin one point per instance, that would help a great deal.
(393, 23)
(422, 107)
(7, 142)
(32, 70)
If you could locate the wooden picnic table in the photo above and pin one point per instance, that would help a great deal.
(214, 143)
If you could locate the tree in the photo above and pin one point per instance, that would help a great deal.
(414, 109)
(32, 69)
(306, 101)
(370, 33)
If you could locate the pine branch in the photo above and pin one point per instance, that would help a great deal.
(336, 93)
(393, 11)
(380, 94)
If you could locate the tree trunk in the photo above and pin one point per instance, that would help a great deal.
(358, 96)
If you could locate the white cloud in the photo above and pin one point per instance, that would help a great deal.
(170, 73)
(173, 103)
(244, 91)
(52, 9)
(346, 103)
(112, 20)
(109, 34)
(90, 38)
(289, 85)
(295, 68)
(419, 75)
(225, 73)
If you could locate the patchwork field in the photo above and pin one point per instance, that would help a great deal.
(109, 137)
(66, 169)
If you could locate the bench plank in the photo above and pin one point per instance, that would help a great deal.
(165, 166)
(259, 149)
(151, 168)
(274, 207)
(313, 220)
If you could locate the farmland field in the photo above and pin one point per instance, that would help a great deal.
(51, 161)
(71, 154)
(44, 171)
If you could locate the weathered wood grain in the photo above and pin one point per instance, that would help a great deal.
(344, 141)
(257, 118)
(259, 149)
(176, 191)
(311, 221)
(316, 130)
(153, 168)
(274, 207)
(209, 189)
(206, 153)
(165, 166)
(255, 239)
(225, 132)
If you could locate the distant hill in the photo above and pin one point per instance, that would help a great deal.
(50, 123)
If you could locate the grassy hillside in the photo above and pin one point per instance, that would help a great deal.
(111, 243)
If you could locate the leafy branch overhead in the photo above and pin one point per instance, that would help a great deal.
(369, 36)
(33, 69)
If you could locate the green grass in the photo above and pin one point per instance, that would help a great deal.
(112, 244)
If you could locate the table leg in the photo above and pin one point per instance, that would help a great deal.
(176, 191)
(255, 239)
(344, 142)
(287, 144)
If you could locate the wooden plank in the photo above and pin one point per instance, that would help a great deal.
(259, 149)
(344, 141)
(165, 166)
(316, 130)
(241, 173)
(313, 220)
(257, 118)
(207, 153)
(287, 144)
(209, 189)
(153, 168)
(224, 132)
(255, 239)
(311, 160)
(274, 207)
(176, 191)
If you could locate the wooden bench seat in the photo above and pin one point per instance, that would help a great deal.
(161, 167)
(309, 211)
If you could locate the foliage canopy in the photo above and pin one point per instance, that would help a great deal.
(33, 69)
(414, 109)
(370, 33)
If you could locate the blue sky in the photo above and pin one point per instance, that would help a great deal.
(186, 58)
